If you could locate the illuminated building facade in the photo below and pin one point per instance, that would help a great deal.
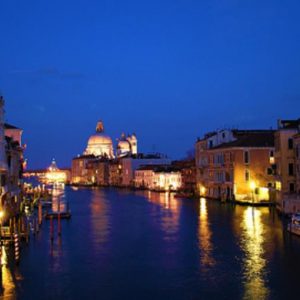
(98, 171)
(115, 173)
(132, 163)
(54, 175)
(187, 169)
(98, 165)
(236, 165)
(287, 149)
(11, 164)
(80, 173)
(285, 155)
(160, 178)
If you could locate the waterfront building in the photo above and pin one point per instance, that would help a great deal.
(13, 132)
(285, 155)
(131, 163)
(80, 174)
(11, 165)
(98, 165)
(99, 169)
(158, 178)
(287, 165)
(115, 173)
(296, 140)
(187, 168)
(236, 164)
(54, 175)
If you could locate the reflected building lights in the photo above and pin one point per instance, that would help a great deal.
(204, 237)
(254, 263)
(8, 287)
(170, 214)
(100, 219)
(58, 202)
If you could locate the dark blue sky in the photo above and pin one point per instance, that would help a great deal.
(167, 70)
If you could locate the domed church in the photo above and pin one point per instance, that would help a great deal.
(127, 145)
(100, 144)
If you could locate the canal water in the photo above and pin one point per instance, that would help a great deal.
(144, 245)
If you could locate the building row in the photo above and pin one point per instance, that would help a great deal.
(246, 166)
(251, 166)
(98, 165)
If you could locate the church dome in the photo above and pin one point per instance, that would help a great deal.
(100, 144)
(99, 138)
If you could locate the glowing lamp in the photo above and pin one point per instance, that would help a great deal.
(252, 185)
(202, 190)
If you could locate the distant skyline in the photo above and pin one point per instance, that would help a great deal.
(167, 70)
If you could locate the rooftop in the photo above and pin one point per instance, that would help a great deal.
(288, 124)
(9, 126)
(158, 168)
(251, 139)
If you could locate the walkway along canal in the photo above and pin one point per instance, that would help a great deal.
(143, 245)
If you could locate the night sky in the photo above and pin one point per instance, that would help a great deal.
(167, 70)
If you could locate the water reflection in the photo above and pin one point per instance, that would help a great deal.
(169, 217)
(166, 200)
(58, 199)
(100, 218)
(8, 279)
(204, 237)
(254, 265)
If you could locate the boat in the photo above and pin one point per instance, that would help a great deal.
(294, 225)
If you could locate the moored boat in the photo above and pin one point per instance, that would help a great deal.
(294, 225)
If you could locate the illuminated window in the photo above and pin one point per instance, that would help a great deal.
(278, 185)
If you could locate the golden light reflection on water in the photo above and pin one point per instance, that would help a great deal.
(204, 237)
(58, 201)
(100, 218)
(254, 264)
(170, 216)
(8, 286)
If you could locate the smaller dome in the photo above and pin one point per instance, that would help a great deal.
(123, 145)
